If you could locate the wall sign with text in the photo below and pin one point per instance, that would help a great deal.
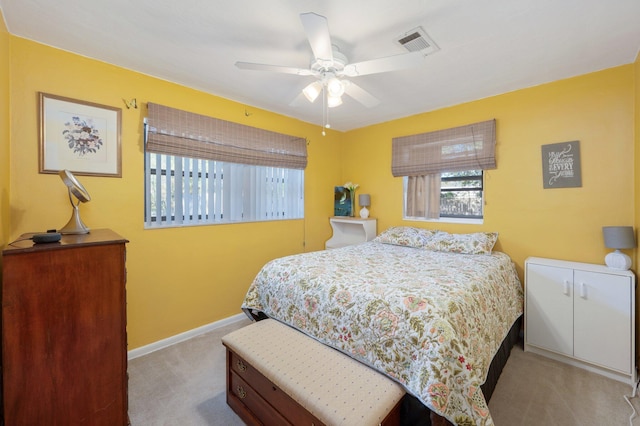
(561, 165)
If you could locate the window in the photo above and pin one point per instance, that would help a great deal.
(204, 170)
(183, 191)
(461, 196)
(443, 171)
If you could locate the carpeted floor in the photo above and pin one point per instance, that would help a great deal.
(185, 385)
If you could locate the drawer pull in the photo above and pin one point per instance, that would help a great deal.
(241, 392)
(241, 365)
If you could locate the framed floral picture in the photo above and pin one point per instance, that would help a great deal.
(81, 137)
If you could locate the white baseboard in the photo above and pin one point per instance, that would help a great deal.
(160, 344)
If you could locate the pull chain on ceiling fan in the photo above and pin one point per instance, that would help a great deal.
(331, 68)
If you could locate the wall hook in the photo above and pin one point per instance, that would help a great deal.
(247, 113)
(133, 103)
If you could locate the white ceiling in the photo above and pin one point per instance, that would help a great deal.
(487, 47)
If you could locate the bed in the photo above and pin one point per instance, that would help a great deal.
(429, 309)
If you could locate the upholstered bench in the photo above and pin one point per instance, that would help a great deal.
(277, 375)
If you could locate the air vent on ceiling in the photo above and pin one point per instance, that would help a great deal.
(417, 40)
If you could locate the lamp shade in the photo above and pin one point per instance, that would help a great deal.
(312, 91)
(619, 237)
(365, 201)
(334, 101)
(335, 87)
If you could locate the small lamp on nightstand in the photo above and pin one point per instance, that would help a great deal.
(618, 237)
(365, 201)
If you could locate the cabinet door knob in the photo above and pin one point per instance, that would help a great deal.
(583, 290)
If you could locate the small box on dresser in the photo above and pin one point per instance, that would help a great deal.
(64, 342)
(582, 314)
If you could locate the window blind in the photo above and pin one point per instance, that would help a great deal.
(175, 132)
(469, 147)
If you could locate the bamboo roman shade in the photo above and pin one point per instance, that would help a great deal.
(470, 147)
(172, 131)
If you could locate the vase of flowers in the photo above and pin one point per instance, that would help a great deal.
(351, 187)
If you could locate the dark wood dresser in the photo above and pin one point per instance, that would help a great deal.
(64, 342)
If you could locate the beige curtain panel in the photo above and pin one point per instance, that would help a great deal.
(470, 147)
(423, 196)
(172, 131)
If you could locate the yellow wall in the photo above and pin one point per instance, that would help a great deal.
(636, 114)
(4, 132)
(179, 278)
(596, 109)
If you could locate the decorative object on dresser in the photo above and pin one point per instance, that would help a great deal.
(582, 314)
(64, 341)
(75, 224)
(348, 231)
(365, 201)
(618, 237)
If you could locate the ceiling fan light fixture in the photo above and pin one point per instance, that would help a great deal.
(334, 101)
(335, 88)
(312, 91)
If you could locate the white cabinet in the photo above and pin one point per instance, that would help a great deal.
(582, 314)
(350, 230)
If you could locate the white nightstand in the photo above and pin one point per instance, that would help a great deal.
(582, 314)
(350, 230)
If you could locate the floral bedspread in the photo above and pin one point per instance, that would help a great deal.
(431, 320)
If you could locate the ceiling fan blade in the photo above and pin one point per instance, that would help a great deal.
(360, 95)
(299, 101)
(317, 30)
(274, 68)
(386, 64)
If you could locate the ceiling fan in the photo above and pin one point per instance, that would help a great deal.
(332, 68)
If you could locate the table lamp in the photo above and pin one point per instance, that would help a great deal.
(365, 201)
(618, 237)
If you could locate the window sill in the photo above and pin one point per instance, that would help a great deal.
(447, 220)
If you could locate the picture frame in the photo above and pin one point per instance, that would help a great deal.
(561, 165)
(341, 201)
(79, 136)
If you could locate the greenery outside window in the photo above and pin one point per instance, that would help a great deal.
(461, 194)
